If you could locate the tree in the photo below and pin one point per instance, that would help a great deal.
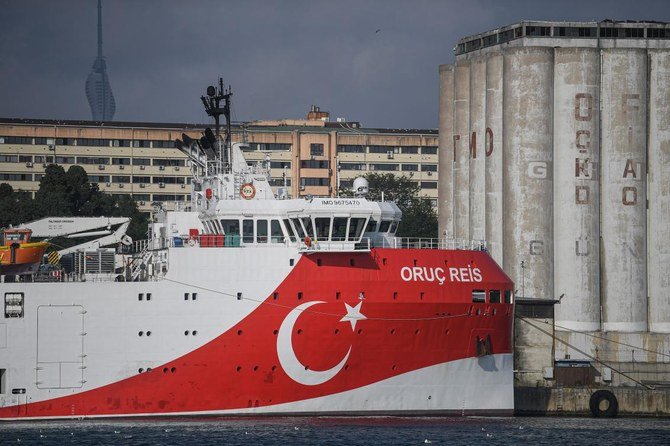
(68, 194)
(419, 219)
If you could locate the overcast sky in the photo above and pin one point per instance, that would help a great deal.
(279, 56)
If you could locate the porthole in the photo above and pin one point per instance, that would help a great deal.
(255, 368)
(416, 332)
(318, 262)
(239, 332)
(274, 332)
(239, 296)
(148, 369)
(194, 332)
(165, 369)
(141, 333)
(337, 330)
(360, 331)
(186, 296)
(275, 295)
(393, 367)
(173, 369)
(148, 333)
(274, 367)
(148, 296)
(337, 295)
(299, 331)
(194, 296)
(393, 331)
(186, 333)
(299, 295)
(140, 296)
(238, 368)
(140, 370)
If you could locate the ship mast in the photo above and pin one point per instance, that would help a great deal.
(214, 108)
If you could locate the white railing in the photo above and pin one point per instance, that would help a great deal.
(366, 243)
(430, 243)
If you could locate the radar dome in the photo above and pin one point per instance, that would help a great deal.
(361, 188)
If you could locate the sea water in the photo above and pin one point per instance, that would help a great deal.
(340, 431)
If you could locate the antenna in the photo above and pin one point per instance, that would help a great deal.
(99, 28)
(212, 103)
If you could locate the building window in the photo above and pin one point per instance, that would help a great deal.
(429, 168)
(65, 160)
(16, 177)
(349, 148)
(168, 197)
(168, 180)
(269, 146)
(491, 40)
(93, 142)
(381, 149)
(279, 182)
(141, 143)
(384, 167)
(280, 164)
(314, 182)
(352, 166)
(165, 162)
(92, 160)
(409, 150)
(121, 179)
(141, 197)
(478, 296)
(161, 144)
(65, 142)
(316, 149)
(657, 33)
(542, 31)
(9, 158)
(121, 143)
(429, 150)
(410, 167)
(121, 161)
(141, 162)
(314, 164)
(428, 185)
(141, 180)
(98, 178)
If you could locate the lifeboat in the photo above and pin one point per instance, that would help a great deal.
(18, 255)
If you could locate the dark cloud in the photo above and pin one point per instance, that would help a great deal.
(280, 56)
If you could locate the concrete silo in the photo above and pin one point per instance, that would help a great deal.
(658, 177)
(446, 173)
(527, 169)
(477, 163)
(494, 159)
(576, 143)
(576, 187)
(461, 147)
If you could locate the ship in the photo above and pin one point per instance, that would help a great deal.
(250, 302)
(18, 254)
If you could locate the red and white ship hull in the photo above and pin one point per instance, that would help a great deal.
(265, 331)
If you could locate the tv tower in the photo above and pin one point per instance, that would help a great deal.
(98, 90)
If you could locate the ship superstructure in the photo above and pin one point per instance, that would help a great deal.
(251, 303)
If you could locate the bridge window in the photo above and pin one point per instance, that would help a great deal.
(394, 226)
(276, 234)
(494, 296)
(384, 226)
(307, 226)
(339, 228)
(230, 227)
(298, 227)
(356, 226)
(508, 296)
(322, 226)
(478, 296)
(290, 230)
(372, 226)
(261, 231)
(248, 231)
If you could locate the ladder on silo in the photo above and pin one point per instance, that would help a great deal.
(559, 399)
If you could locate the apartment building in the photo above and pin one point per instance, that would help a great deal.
(309, 156)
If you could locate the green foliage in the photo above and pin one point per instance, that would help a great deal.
(68, 194)
(419, 219)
